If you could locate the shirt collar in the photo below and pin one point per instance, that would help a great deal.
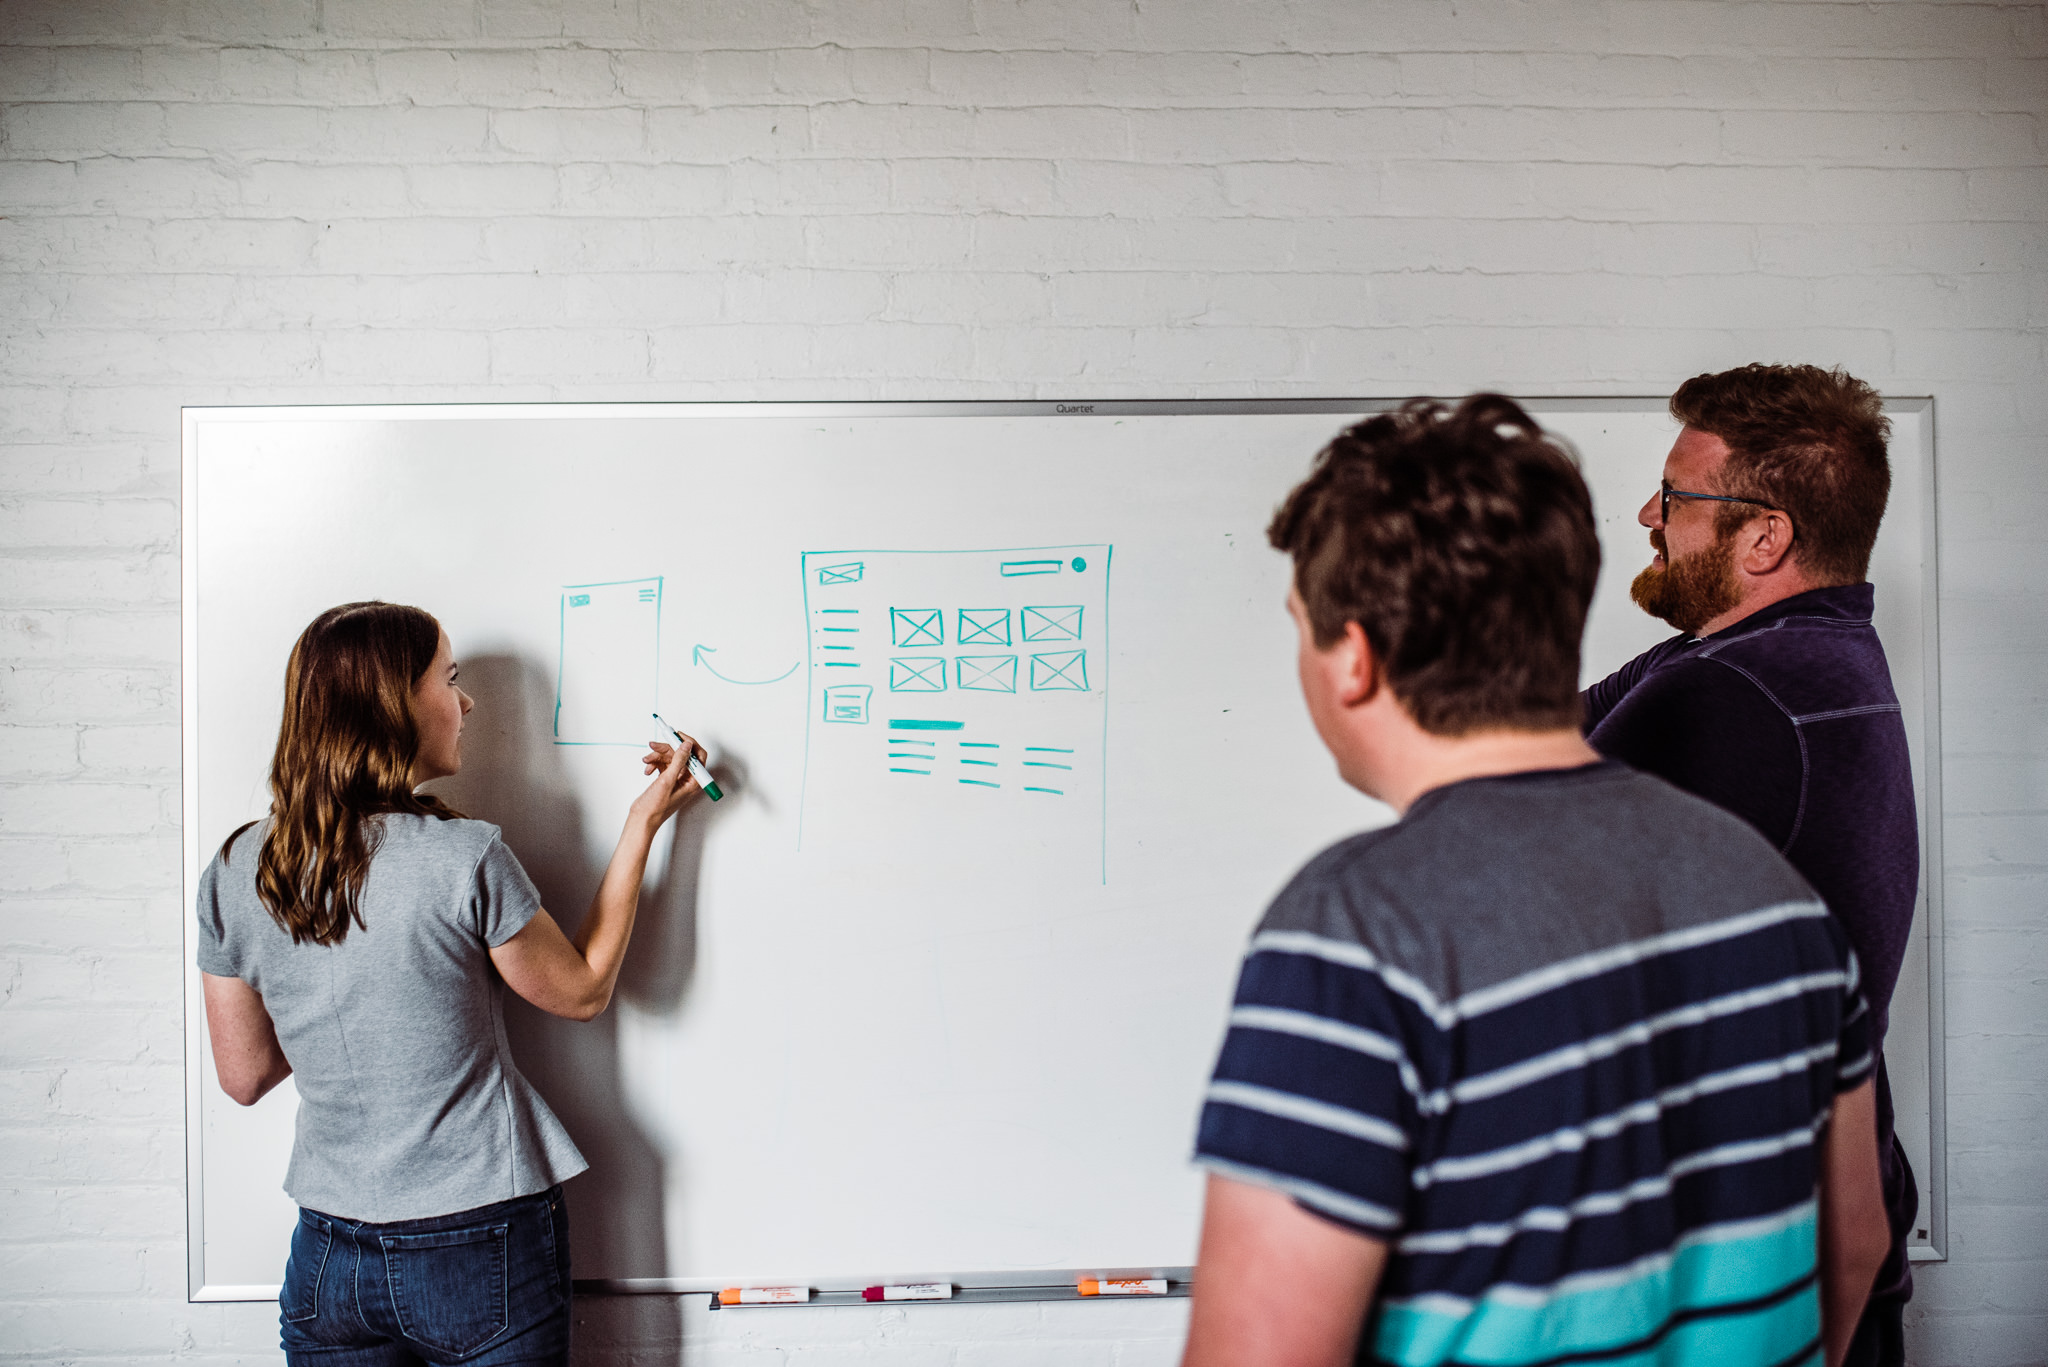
(1846, 603)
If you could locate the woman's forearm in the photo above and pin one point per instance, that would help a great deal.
(606, 931)
(246, 1054)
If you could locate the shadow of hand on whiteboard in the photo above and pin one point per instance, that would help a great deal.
(513, 776)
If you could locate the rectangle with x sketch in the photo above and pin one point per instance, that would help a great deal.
(1062, 623)
(917, 627)
(988, 673)
(917, 674)
(983, 627)
(1063, 671)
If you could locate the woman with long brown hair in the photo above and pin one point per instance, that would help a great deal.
(360, 939)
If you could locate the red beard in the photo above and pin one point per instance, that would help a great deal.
(1692, 592)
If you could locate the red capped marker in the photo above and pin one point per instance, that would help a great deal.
(913, 1291)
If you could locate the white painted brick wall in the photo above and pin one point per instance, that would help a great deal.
(226, 201)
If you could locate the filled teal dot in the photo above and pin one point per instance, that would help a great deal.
(1079, 564)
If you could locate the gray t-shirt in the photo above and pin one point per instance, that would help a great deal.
(409, 1103)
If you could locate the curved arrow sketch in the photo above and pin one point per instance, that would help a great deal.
(698, 652)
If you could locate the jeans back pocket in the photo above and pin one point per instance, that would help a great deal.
(299, 1299)
(448, 1287)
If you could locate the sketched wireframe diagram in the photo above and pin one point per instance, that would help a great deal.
(608, 668)
(929, 724)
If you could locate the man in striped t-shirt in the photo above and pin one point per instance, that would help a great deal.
(1565, 1065)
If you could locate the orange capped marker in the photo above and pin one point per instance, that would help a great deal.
(1123, 1286)
(765, 1295)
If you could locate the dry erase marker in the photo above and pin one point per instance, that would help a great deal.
(697, 769)
(764, 1295)
(913, 1291)
(1123, 1286)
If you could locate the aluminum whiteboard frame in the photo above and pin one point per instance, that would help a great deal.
(1916, 408)
(1919, 409)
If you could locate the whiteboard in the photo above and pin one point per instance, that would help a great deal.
(1003, 697)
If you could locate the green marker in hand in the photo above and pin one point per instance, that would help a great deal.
(697, 769)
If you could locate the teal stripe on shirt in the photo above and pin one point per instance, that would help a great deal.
(1515, 1325)
(1766, 1337)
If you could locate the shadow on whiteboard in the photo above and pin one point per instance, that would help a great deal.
(515, 778)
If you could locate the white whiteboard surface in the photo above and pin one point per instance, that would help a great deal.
(1004, 699)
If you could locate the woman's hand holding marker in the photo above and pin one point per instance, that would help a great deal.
(673, 783)
(694, 756)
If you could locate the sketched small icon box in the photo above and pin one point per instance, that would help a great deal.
(848, 703)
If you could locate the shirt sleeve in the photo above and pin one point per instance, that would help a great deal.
(1314, 1094)
(1596, 702)
(221, 951)
(1711, 730)
(502, 899)
(214, 956)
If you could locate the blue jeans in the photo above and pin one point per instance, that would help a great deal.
(486, 1288)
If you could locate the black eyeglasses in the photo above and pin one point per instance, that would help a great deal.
(1665, 493)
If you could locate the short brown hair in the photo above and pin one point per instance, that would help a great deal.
(1463, 544)
(1807, 440)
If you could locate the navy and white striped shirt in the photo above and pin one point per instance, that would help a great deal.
(1566, 1040)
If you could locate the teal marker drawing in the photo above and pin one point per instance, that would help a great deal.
(697, 769)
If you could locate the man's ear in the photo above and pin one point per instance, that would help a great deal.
(1765, 543)
(1358, 679)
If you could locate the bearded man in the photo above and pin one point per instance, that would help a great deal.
(1774, 701)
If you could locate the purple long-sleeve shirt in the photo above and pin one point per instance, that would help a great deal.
(1788, 719)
